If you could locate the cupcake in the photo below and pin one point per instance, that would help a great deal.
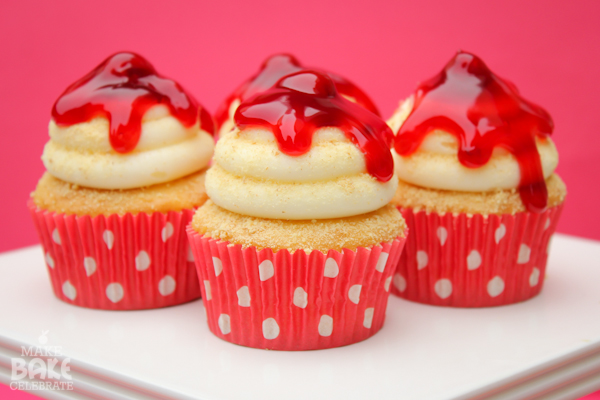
(296, 247)
(125, 168)
(273, 69)
(477, 188)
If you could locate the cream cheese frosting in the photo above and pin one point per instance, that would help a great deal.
(251, 176)
(435, 164)
(82, 154)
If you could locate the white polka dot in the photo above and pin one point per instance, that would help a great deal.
(325, 325)
(422, 259)
(218, 265)
(224, 324)
(270, 328)
(354, 293)
(386, 283)
(142, 261)
(331, 268)
(382, 261)
(56, 236)
(266, 270)
(473, 260)
(549, 243)
(167, 285)
(300, 297)
(524, 254)
(207, 291)
(400, 282)
(109, 238)
(534, 278)
(442, 234)
(190, 254)
(167, 231)
(547, 224)
(89, 264)
(443, 288)
(495, 287)
(500, 232)
(69, 290)
(243, 295)
(49, 260)
(114, 292)
(368, 321)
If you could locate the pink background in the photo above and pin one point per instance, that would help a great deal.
(549, 49)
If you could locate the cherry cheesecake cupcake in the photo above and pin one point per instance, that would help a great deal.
(125, 165)
(477, 188)
(296, 247)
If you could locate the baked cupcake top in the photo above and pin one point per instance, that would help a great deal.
(466, 129)
(124, 126)
(273, 69)
(301, 151)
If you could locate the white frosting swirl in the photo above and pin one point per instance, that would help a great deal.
(81, 154)
(251, 176)
(435, 164)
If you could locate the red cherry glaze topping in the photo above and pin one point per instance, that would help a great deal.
(304, 101)
(275, 68)
(122, 89)
(483, 111)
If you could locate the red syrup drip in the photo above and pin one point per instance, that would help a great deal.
(300, 103)
(121, 89)
(482, 111)
(275, 68)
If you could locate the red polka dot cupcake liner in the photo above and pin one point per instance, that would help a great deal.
(294, 301)
(114, 262)
(474, 261)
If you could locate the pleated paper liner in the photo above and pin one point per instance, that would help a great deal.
(114, 262)
(294, 301)
(474, 261)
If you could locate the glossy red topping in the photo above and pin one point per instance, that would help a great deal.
(483, 111)
(122, 89)
(304, 101)
(275, 68)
